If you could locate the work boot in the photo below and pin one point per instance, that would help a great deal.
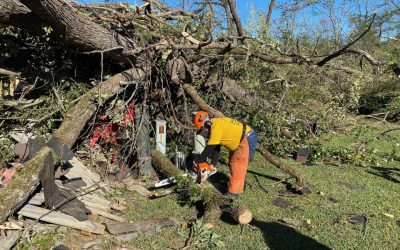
(231, 195)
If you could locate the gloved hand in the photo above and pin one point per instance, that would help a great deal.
(203, 170)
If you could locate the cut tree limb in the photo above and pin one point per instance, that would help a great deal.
(8, 72)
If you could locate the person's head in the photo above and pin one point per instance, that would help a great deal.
(202, 122)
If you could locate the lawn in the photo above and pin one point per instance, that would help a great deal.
(340, 191)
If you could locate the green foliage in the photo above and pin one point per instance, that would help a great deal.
(6, 151)
(381, 96)
(202, 237)
(38, 241)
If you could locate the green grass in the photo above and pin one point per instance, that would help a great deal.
(373, 196)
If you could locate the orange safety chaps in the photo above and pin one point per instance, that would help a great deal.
(238, 162)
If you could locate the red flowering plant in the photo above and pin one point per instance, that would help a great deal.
(111, 127)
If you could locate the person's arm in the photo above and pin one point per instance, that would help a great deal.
(207, 153)
(215, 155)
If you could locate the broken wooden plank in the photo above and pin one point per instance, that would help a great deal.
(61, 219)
(95, 205)
(80, 170)
(12, 225)
(139, 189)
(135, 186)
(106, 214)
(7, 242)
(99, 200)
(142, 226)
(37, 199)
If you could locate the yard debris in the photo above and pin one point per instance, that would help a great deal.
(58, 218)
(11, 225)
(133, 186)
(391, 216)
(295, 223)
(303, 155)
(260, 184)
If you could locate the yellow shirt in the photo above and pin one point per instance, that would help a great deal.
(226, 132)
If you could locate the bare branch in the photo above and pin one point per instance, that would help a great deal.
(236, 18)
(8, 72)
(367, 56)
(343, 50)
(267, 20)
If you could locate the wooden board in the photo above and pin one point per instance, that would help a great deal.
(96, 205)
(106, 214)
(61, 219)
(7, 242)
(102, 201)
(37, 199)
(80, 170)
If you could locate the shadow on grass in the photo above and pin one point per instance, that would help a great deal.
(280, 237)
(263, 175)
(391, 174)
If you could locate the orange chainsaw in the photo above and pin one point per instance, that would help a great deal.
(203, 170)
(201, 173)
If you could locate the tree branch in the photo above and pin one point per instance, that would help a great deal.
(343, 50)
(236, 18)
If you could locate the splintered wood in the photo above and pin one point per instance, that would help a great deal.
(61, 219)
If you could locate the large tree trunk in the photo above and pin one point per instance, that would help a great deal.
(26, 181)
(75, 29)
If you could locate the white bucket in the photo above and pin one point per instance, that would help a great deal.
(161, 136)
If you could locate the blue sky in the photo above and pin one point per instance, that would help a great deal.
(243, 6)
(312, 19)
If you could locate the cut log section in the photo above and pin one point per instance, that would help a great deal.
(239, 213)
(212, 214)
(61, 219)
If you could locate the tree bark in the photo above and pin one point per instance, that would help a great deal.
(68, 26)
(268, 19)
(142, 121)
(236, 18)
(77, 117)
